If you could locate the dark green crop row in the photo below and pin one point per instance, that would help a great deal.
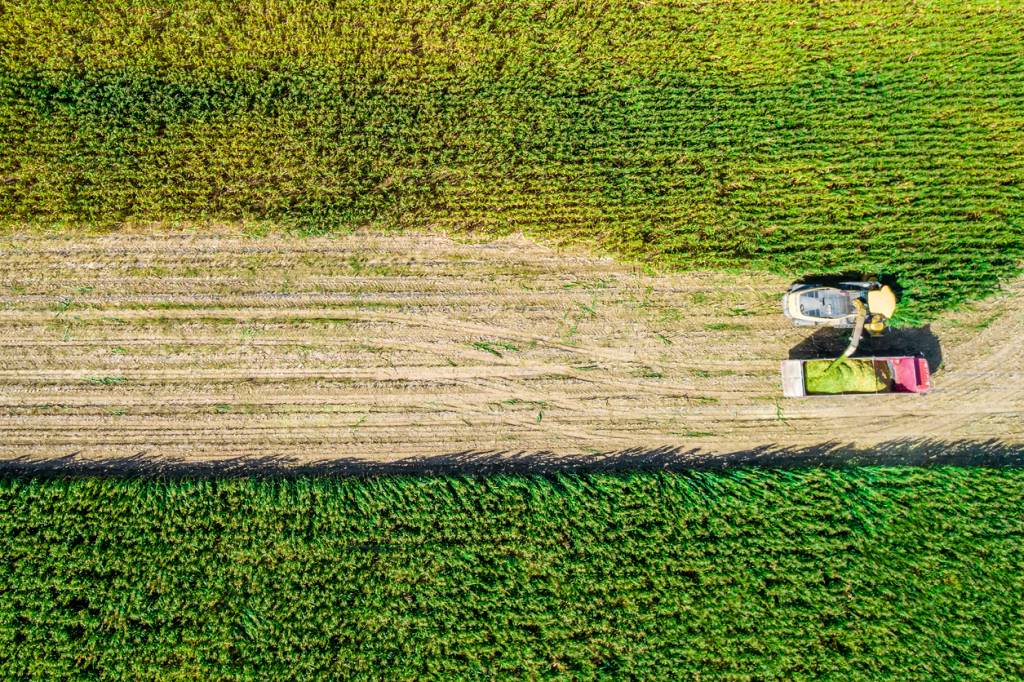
(748, 574)
(779, 135)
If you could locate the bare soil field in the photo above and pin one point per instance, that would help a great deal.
(215, 345)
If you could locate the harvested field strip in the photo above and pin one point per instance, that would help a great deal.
(548, 351)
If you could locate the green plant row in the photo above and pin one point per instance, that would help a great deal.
(746, 574)
(782, 136)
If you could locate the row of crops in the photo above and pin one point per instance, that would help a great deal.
(744, 574)
(797, 137)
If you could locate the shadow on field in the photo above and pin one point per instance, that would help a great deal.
(907, 452)
(829, 342)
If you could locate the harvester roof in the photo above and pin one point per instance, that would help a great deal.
(882, 302)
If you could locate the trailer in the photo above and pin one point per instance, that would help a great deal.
(855, 376)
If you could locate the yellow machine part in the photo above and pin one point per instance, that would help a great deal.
(875, 326)
(882, 302)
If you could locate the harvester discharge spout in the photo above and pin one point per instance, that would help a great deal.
(858, 329)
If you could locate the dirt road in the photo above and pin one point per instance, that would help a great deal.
(194, 347)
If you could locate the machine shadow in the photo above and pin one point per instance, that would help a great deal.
(905, 452)
(829, 342)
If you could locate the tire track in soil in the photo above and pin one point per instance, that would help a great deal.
(215, 345)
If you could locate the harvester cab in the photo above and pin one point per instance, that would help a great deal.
(881, 306)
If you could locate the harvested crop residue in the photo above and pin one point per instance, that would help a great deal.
(383, 347)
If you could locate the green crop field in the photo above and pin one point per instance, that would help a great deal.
(791, 136)
(869, 573)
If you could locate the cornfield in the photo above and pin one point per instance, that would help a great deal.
(782, 136)
(794, 137)
(742, 574)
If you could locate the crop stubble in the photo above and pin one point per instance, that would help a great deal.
(212, 346)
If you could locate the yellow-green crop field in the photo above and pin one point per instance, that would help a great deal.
(797, 137)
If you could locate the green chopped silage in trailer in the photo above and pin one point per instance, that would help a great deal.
(864, 574)
(829, 377)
